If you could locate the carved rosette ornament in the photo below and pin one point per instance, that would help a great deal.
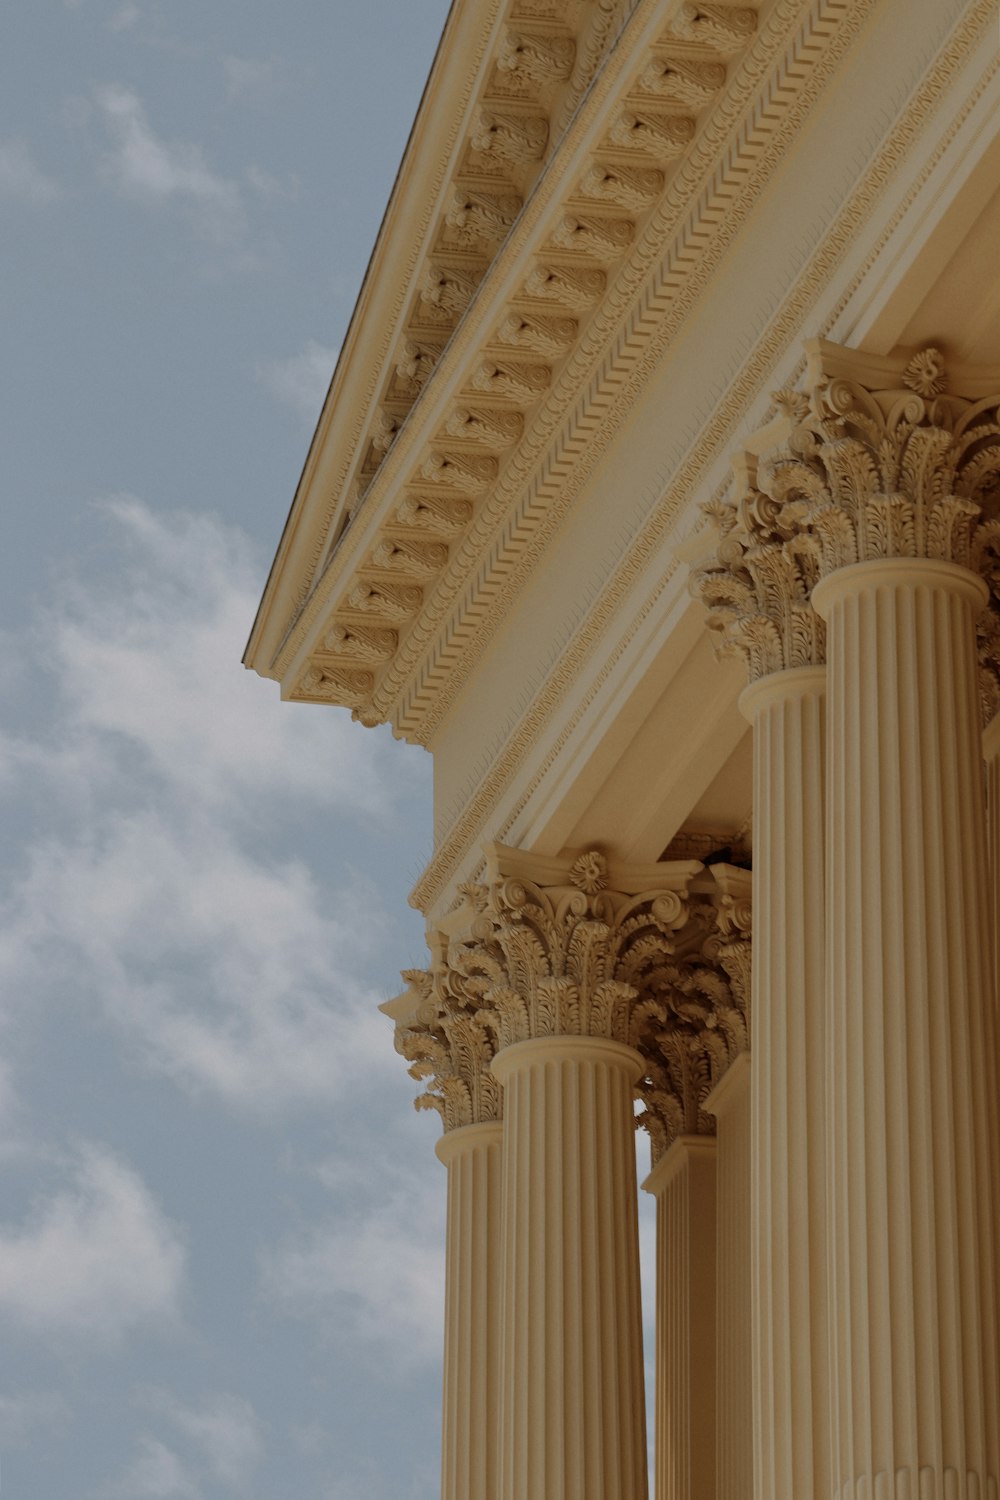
(880, 461)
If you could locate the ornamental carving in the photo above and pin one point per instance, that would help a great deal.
(441, 515)
(416, 362)
(391, 601)
(540, 60)
(341, 685)
(663, 136)
(697, 1022)
(634, 188)
(548, 336)
(880, 460)
(603, 239)
(477, 218)
(360, 644)
(508, 137)
(487, 428)
(691, 84)
(576, 290)
(439, 1033)
(657, 958)
(450, 288)
(723, 27)
(460, 471)
(522, 382)
(414, 559)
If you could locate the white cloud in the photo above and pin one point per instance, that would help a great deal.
(250, 79)
(228, 969)
(22, 1415)
(157, 1473)
(96, 1258)
(301, 380)
(226, 973)
(377, 1273)
(223, 1429)
(153, 658)
(150, 170)
(22, 177)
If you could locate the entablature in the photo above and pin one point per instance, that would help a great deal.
(489, 400)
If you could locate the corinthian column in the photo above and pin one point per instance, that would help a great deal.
(757, 585)
(890, 476)
(570, 947)
(437, 1030)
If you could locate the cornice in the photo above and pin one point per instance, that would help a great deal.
(568, 242)
(507, 76)
(478, 807)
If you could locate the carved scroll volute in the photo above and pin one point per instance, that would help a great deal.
(569, 948)
(693, 1020)
(880, 460)
(441, 1034)
(758, 577)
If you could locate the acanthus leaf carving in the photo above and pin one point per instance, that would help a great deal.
(416, 362)
(634, 188)
(530, 57)
(487, 428)
(390, 601)
(326, 684)
(461, 471)
(412, 559)
(360, 644)
(511, 138)
(723, 27)
(663, 136)
(600, 238)
(650, 967)
(441, 515)
(575, 289)
(512, 378)
(547, 336)
(681, 81)
(873, 466)
(449, 287)
(480, 218)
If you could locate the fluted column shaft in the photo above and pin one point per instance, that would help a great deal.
(729, 1101)
(683, 1183)
(787, 1061)
(572, 1423)
(915, 1396)
(470, 1436)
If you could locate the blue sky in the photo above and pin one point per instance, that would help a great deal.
(221, 1220)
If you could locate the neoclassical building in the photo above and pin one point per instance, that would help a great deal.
(657, 495)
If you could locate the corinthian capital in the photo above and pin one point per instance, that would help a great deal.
(695, 1018)
(881, 458)
(571, 943)
(442, 1037)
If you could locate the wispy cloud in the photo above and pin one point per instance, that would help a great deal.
(153, 895)
(301, 380)
(376, 1271)
(222, 1434)
(150, 170)
(156, 1473)
(96, 1258)
(251, 79)
(22, 177)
